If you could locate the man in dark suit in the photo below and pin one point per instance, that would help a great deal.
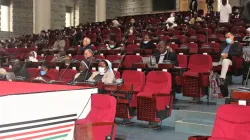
(165, 54)
(229, 49)
(147, 43)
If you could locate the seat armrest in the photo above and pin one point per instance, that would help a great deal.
(198, 137)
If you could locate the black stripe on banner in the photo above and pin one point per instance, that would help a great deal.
(36, 126)
(40, 120)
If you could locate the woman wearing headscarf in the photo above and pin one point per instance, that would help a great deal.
(104, 74)
(33, 56)
(84, 72)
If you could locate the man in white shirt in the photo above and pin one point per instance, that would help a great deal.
(225, 11)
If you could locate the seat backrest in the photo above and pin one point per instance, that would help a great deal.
(33, 72)
(135, 78)
(113, 58)
(130, 59)
(78, 57)
(182, 61)
(231, 121)
(67, 74)
(158, 82)
(53, 73)
(200, 63)
(103, 108)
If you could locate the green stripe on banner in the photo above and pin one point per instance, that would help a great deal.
(56, 137)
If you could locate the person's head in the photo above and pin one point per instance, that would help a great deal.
(86, 41)
(88, 53)
(131, 30)
(162, 47)
(229, 38)
(146, 39)
(112, 43)
(84, 65)
(44, 69)
(32, 54)
(172, 14)
(115, 23)
(103, 67)
(224, 2)
(132, 20)
(16, 65)
(248, 31)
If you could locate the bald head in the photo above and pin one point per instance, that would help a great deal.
(88, 53)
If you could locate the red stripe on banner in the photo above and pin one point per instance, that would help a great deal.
(36, 131)
(44, 135)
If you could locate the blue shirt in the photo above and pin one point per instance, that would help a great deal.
(226, 50)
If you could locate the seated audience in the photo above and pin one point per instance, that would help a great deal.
(116, 23)
(195, 19)
(61, 57)
(89, 55)
(84, 72)
(228, 50)
(112, 45)
(165, 53)
(59, 45)
(20, 70)
(104, 74)
(86, 44)
(32, 56)
(147, 43)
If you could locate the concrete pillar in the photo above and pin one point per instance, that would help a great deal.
(42, 15)
(100, 10)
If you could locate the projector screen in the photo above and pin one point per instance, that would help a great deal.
(164, 5)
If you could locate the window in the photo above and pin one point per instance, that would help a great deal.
(6, 15)
(69, 17)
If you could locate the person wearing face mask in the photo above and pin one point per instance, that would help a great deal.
(104, 74)
(165, 53)
(147, 43)
(225, 12)
(84, 72)
(45, 75)
(112, 45)
(228, 50)
(33, 56)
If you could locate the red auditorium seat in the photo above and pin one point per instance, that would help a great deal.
(100, 120)
(54, 74)
(67, 75)
(232, 123)
(130, 59)
(197, 75)
(154, 103)
(113, 58)
(100, 57)
(130, 48)
(49, 58)
(193, 47)
(137, 79)
(182, 61)
(78, 57)
(33, 72)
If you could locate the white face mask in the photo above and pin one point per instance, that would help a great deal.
(131, 31)
(101, 70)
(145, 42)
(30, 57)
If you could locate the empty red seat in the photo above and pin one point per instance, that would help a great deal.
(100, 57)
(113, 58)
(137, 80)
(155, 99)
(33, 72)
(232, 123)
(197, 76)
(101, 118)
(78, 57)
(130, 59)
(66, 75)
(130, 48)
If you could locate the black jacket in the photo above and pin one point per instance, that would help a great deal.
(149, 45)
(235, 50)
(195, 6)
(168, 56)
(83, 76)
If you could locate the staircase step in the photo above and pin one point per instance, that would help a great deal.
(194, 127)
